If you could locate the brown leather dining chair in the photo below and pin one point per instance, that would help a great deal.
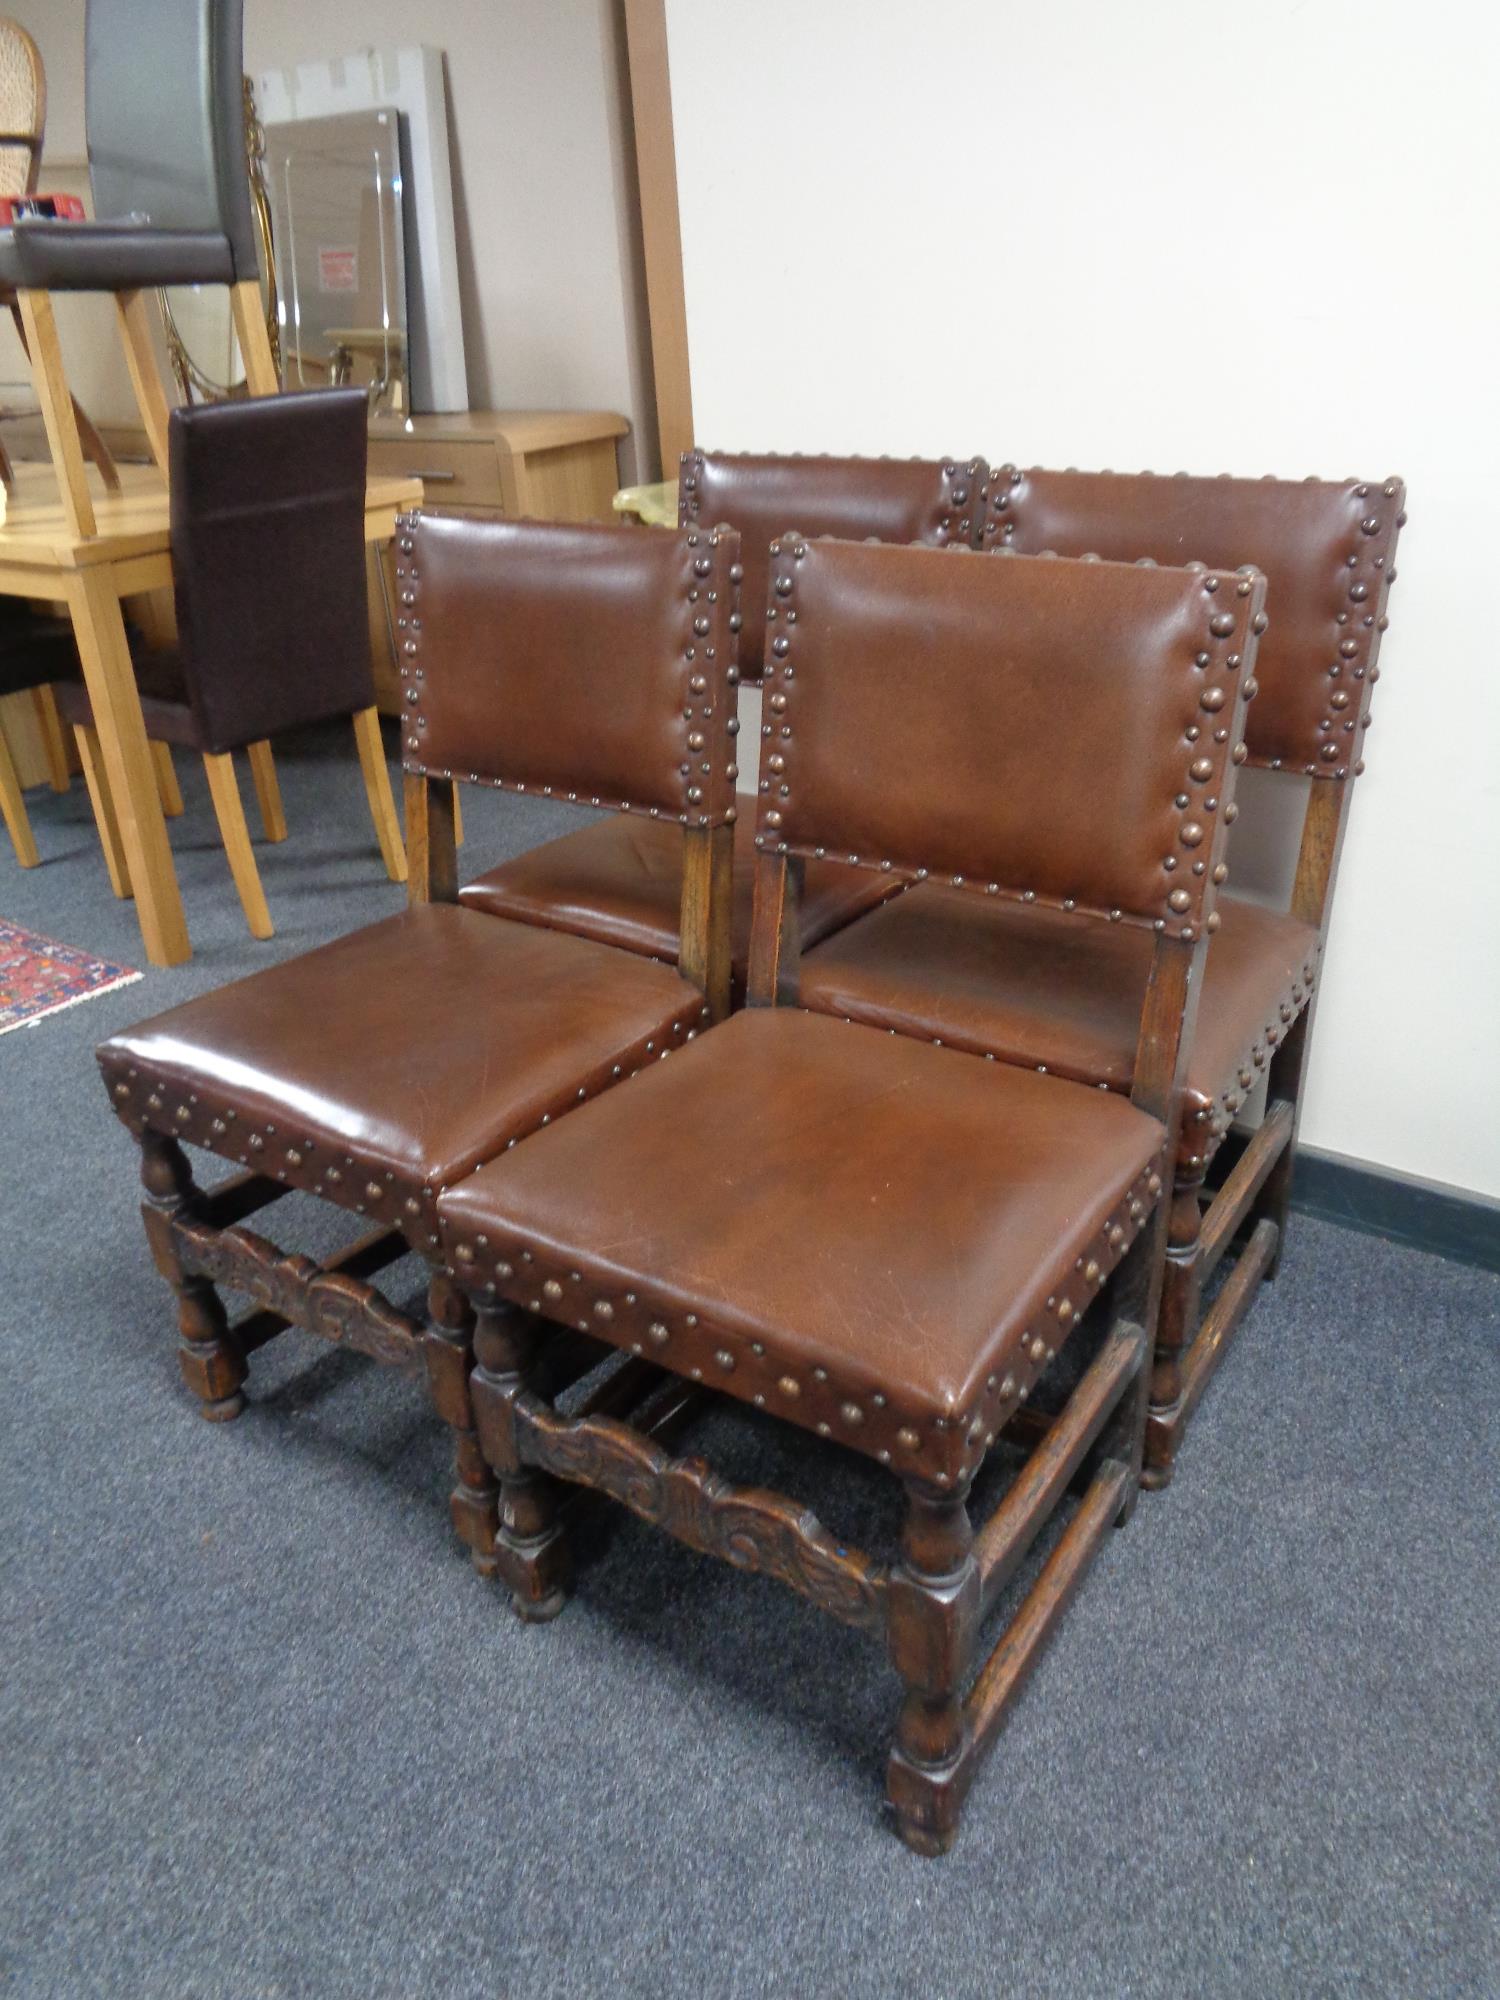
(268, 570)
(1061, 990)
(620, 880)
(378, 1069)
(881, 1242)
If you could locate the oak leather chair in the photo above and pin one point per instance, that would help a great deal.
(1061, 989)
(378, 1069)
(878, 1241)
(620, 880)
(268, 572)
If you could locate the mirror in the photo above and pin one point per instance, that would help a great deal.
(335, 189)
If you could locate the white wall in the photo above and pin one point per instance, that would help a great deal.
(1163, 236)
(543, 190)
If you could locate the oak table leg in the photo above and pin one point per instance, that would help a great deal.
(54, 743)
(128, 768)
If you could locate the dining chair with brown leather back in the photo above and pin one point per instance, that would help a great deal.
(36, 652)
(268, 569)
(1059, 990)
(885, 1244)
(620, 880)
(381, 1067)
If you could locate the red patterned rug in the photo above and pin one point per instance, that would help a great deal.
(39, 976)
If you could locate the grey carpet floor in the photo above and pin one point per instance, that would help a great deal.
(264, 1733)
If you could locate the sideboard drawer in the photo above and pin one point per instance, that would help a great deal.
(451, 474)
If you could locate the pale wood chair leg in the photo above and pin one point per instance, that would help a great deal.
(254, 342)
(225, 792)
(92, 760)
(93, 600)
(378, 791)
(267, 790)
(13, 809)
(54, 743)
(58, 417)
(458, 819)
(145, 380)
(167, 788)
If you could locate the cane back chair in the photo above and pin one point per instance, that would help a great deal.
(268, 571)
(901, 1238)
(1062, 990)
(382, 1067)
(621, 880)
(23, 127)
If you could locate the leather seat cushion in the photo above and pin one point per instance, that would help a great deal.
(43, 255)
(378, 1068)
(879, 1240)
(1050, 988)
(620, 880)
(164, 699)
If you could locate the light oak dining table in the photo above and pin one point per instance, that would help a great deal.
(43, 557)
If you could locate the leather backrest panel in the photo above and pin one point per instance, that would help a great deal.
(1052, 730)
(268, 561)
(583, 662)
(889, 499)
(166, 126)
(1325, 548)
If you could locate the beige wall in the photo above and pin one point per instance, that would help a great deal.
(1158, 236)
(543, 200)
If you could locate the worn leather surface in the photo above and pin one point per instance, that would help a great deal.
(1065, 992)
(165, 708)
(376, 1069)
(761, 493)
(38, 254)
(620, 880)
(578, 661)
(166, 126)
(879, 1240)
(1325, 547)
(268, 562)
(1062, 730)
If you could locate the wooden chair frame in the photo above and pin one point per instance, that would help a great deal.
(929, 1603)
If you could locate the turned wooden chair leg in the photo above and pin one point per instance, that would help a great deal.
(531, 1549)
(212, 1365)
(91, 757)
(54, 743)
(224, 790)
(267, 790)
(378, 791)
(167, 788)
(1176, 1326)
(474, 1502)
(1284, 1083)
(932, 1621)
(13, 808)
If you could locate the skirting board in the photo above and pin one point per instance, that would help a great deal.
(1424, 1214)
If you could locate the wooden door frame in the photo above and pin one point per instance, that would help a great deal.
(661, 226)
